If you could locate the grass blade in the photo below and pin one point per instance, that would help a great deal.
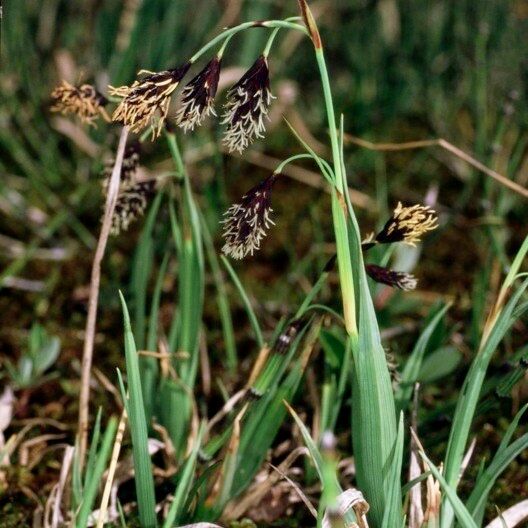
(92, 452)
(138, 430)
(184, 484)
(476, 502)
(92, 484)
(245, 300)
(412, 366)
(392, 515)
(461, 512)
(469, 397)
(141, 271)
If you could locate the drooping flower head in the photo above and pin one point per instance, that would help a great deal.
(246, 222)
(247, 107)
(198, 97)
(396, 279)
(84, 101)
(407, 224)
(147, 101)
(131, 204)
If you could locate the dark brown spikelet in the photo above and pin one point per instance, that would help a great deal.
(131, 204)
(128, 168)
(133, 196)
(247, 107)
(285, 340)
(246, 222)
(407, 224)
(83, 101)
(198, 97)
(396, 279)
(147, 101)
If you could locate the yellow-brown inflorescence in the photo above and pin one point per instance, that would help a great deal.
(147, 101)
(83, 101)
(407, 224)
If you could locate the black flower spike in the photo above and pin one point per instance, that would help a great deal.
(246, 222)
(396, 279)
(147, 99)
(131, 204)
(128, 168)
(247, 107)
(198, 97)
(84, 101)
(288, 336)
(407, 224)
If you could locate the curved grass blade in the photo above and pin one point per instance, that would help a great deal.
(253, 321)
(476, 502)
(469, 397)
(413, 364)
(221, 299)
(461, 512)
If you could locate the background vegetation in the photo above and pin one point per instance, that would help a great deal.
(400, 71)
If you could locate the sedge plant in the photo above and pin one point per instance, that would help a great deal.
(161, 383)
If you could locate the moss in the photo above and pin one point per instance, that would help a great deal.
(16, 511)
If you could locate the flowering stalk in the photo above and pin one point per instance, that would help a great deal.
(86, 365)
(287, 24)
(339, 208)
(145, 103)
(373, 408)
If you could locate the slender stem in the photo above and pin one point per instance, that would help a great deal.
(242, 27)
(324, 308)
(316, 288)
(289, 160)
(253, 321)
(176, 155)
(325, 168)
(220, 53)
(103, 508)
(146, 133)
(323, 165)
(271, 39)
(329, 104)
(86, 365)
(339, 208)
(270, 42)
